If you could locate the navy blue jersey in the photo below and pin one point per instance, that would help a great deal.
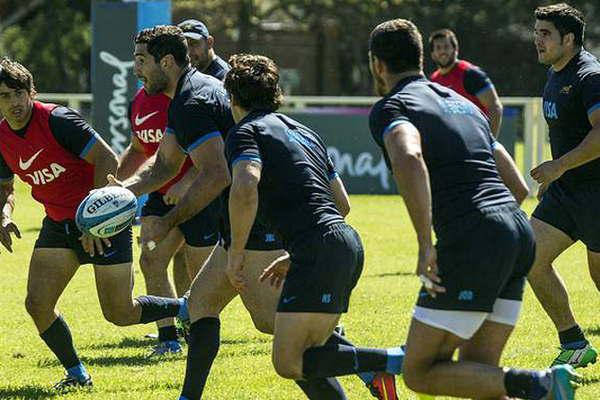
(69, 129)
(456, 142)
(217, 68)
(570, 96)
(199, 111)
(476, 81)
(294, 190)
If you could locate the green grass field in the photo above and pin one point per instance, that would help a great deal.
(379, 316)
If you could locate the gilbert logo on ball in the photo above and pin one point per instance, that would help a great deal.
(106, 211)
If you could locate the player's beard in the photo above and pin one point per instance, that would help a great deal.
(157, 84)
(450, 62)
(200, 63)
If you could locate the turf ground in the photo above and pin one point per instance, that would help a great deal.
(379, 316)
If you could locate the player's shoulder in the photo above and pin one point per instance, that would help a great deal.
(64, 113)
(588, 65)
(392, 101)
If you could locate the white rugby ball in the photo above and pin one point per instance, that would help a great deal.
(106, 211)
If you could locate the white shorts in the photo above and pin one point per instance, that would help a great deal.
(465, 324)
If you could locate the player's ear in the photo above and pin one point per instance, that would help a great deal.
(569, 38)
(167, 61)
(210, 42)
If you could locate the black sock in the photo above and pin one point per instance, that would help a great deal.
(336, 338)
(525, 384)
(203, 346)
(572, 335)
(58, 338)
(322, 389)
(338, 360)
(155, 308)
(167, 333)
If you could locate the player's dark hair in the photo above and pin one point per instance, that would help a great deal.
(565, 18)
(16, 76)
(443, 34)
(399, 44)
(163, 40)
(254, 82)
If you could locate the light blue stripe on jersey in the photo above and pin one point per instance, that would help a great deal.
(484, 89)
(246, 158)
(88, 146)
(593, 108)
(333, 175)
(393, 125)
(203, 139)
(169, 131)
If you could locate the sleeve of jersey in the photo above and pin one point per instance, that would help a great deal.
(72, 132)
(590, 93)
(6, 173)
(331, 172)
(242, 146)
(193, 125)
(477, 82)
(385, 117)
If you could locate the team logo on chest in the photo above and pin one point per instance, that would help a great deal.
(24, 165)
(566, 89)
(150, 135)
(550, 110)
(46, 175)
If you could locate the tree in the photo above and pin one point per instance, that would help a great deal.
(54, 44)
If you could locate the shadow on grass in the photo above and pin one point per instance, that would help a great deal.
(35, 229)
(386, 274)
(246, 341)
(110, 361)
(590, 381)
(26, 392)
(128, 342)
(595, 331)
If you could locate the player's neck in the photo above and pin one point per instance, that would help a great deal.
(392, 80)
(211, 58)
(447, 68)
(174, 81)
(564, 60)
(238, 113)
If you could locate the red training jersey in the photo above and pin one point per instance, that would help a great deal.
(455, 80)
(149, 115)
(58, 178)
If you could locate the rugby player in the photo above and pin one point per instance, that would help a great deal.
(62, 158)
(201, 49)
(465, 78)
(569, 183)
(198, 120)
(440, 150)
(195, 237)
(282, 173)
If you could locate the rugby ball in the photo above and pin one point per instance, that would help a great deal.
(106, 211)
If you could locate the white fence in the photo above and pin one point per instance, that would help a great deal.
(534, 126)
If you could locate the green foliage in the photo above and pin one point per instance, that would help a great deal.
(54, 43)
(379, 315)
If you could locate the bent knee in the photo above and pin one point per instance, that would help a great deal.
(288, 370)
(152, 265)
(415, 380)
(263, 325)
(119, 318)
(36, 305)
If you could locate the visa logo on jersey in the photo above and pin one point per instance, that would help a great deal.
(150, 135)
(550, 110)
(46, 175)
